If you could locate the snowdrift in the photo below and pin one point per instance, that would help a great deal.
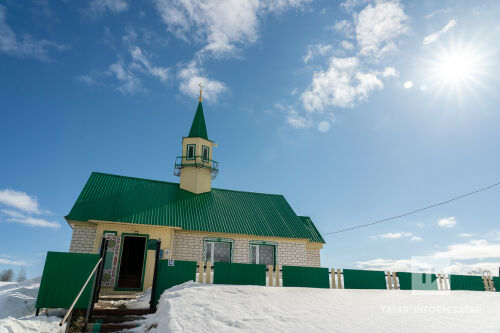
(17, 309)
(193, 307)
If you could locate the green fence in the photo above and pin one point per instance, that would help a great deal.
(63, 276)
(314, 277)
(232, 273)
(417, 281)
(178, 272)
(496, 283)
(361, 279)
(466, 282)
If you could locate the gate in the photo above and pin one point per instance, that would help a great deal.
(63, 276)
(171, 273)
(233, 273)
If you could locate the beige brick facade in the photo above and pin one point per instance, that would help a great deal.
(83, 239)
(313, 258)
(189, 246)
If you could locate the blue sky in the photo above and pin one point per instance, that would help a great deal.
(355, 111)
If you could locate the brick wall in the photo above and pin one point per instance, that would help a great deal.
(313, 258)
(190, 247)
(83, 239)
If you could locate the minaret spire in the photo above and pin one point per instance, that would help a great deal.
(200, 98)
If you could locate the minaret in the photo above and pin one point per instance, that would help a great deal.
(196, 167)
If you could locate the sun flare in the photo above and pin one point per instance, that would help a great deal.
(457, 67)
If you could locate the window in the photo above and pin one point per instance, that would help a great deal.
(190, 152)
(262, 254)
(205, 153)
(218, 252)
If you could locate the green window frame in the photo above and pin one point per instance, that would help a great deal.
(208, 241)
(188, 155)
(265, 243)
(203, 150)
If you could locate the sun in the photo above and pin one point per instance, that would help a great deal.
(457, 67)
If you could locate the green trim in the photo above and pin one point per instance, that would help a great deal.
(217, 240)
(120, 261)
(109, 232)
(268, 243)
(187, 151)
(208, 154)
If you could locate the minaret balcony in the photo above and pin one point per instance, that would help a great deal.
(196, 162)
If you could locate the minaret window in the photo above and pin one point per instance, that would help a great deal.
(205, 153)
(190, 152)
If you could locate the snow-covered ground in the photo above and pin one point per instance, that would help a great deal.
(193, 307)
(17, 309)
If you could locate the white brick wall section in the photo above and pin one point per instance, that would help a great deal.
(190, 247)
(313, 258)
(83, 239)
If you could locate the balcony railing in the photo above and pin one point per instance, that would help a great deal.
(197, 162)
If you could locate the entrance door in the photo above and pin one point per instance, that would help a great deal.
(132, 262)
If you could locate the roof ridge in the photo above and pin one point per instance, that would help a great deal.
(173, 183)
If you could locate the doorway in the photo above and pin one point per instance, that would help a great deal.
(132, 262)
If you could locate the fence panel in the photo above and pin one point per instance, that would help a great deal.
(314, 277)
(232, 273)
(466, 282)
(64, 274)
(496, 283)
(417, 281)
(362, 279)
(179, 272)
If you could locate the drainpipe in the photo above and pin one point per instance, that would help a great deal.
(171, 244)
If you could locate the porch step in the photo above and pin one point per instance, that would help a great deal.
(98, 327)
(115, 319)
(119, 312)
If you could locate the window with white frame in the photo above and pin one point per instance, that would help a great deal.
(262, 254)
(190, 152)
(218, 251)
(205, 153)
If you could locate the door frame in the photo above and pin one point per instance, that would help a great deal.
(128, 234)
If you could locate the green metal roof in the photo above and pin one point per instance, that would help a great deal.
(115, 198)
(198, 128)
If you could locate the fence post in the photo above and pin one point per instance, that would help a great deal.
(270, 275)
(389, 280)
(395, 279)
(200, 271)
(490, 282)
(339, 277)
(332, 272)
(440, 281)
(277, 276)
(209, 272)
(485, 284)
(152, 303)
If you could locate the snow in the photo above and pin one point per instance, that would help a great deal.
(193, 307)
(17, 309)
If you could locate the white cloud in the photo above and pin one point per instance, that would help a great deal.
(129, 82)
(19, 200)
(297, 121)
(316, 49)
(449, 222)
(13, 262)
(378, 26)
(27, 46)
(192, 75)
(347, 45)
(221, 26)
(350, 5)
(342, 84)
(17, 217)
(395, 235)
(474, 249)
(113, 6)
(436, 12)
(464, 235)
(416, 238)
(139, 58)
(323, 126)
(435, 35)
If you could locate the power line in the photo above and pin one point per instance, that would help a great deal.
(413, 211)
